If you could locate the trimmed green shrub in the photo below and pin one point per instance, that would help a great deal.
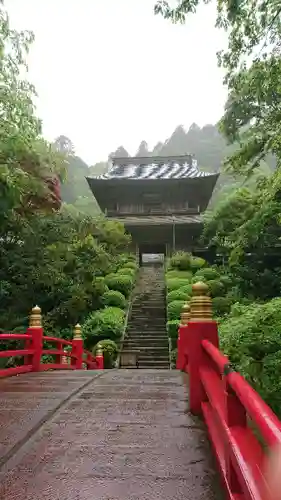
(120, 282)
(180, 260)
(175, 273)
(130, 265)
(187, 289)
(216, 288)
(221, 306)
(172, 329)
(226, 280)
(179, 294)
(196, 278)
(110, 351)
(100, 285)
(114, 298)
(197, 263)
(103, 324)
(208, 273)
(127, 271)
(174, 309)
(175, 284)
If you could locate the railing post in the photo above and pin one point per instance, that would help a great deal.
(200, 327)
(77, 348)
(183, 338)
(99, 358)
(36, 330)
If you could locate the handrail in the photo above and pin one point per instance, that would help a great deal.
(265, 419)
(33, 350)
(240, 424)
(56, 339)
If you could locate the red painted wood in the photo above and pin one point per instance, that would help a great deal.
(227, 401)
(266, 420)
(77, 353)
(198, 331)
(16, 352)
(15, 336)
(100, 362)
(34, 349)
(55, 339)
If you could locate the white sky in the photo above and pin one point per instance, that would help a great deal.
(110, 73)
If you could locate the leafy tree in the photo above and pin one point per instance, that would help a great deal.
(27, 162)
(252, 114)
(64, 145)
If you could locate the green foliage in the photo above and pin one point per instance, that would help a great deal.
(121, 283)
(251, 116)
(172, 329)
(251, 337)
(221, 306)
(187, 289)
(226, 280)
(103, 324)
(175, 273)
(130, 264)
(110, 351)
(174, 309)
(208, 273)
(216, 288)
(197, 263)
(179, 294)
(175, 284)
(180, 261)
(127, 271)
(114, 298)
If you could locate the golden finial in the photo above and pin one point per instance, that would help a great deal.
(99, 350)
(201, 303)
(185, 314)
(77, 332)
(35, 318)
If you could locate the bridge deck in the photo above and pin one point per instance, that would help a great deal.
(111, 435)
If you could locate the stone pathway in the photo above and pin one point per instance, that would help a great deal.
(111, 435)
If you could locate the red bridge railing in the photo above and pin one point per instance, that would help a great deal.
(241, 426)
(67, 355)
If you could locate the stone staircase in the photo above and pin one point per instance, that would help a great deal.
(146, 331)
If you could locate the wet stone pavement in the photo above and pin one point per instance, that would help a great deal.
(110, 435)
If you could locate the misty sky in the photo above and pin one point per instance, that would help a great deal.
(109, 72)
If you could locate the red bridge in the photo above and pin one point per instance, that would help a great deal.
(73, 431)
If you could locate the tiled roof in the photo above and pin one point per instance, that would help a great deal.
(177, 167)
(157, 220)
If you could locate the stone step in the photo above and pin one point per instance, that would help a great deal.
(151, 360)
(149, 341)
(153, 363)
(151, 350)
(160, 334)
(147, 326)
(148, 317)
